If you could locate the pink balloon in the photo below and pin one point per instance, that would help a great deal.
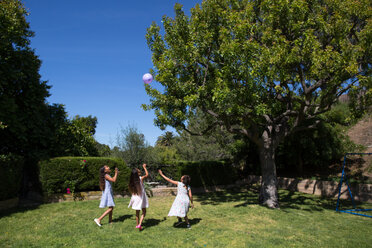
(147, 78)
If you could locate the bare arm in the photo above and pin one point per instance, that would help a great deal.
(146, 172)
(191, 201)
(166, 178)
(112, 179)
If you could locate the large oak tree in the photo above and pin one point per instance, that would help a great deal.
(263, 68)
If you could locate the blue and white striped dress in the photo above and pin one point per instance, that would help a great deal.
(107, 199)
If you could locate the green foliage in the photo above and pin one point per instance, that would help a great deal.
(74, 137)
(240, 60)
(60, 173)
(23, 109)
(361, 98)
(340, 114)
(10, 176)
(103, 150)
(203, 173)
(215, 144)
(311, 148)
(264, 69)
(29, 126)
(132, 146)
(165, 140)
(78, 136)
(164, 155)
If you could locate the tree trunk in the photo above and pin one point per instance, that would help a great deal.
(269, 185)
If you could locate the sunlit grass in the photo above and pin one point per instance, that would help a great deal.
(223, 219)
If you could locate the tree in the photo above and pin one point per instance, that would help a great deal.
(264, 69)
(165, 140)
(216, 144)
(23, 109)
(132, 146)
(79, 133)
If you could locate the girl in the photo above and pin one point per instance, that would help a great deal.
(107, 199)
(139, 198)
(181, 204)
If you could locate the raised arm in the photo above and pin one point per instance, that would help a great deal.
(166, 178)
(146, 172)
(112, 179)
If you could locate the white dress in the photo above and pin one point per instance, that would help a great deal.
(139, 201)
(181, 204)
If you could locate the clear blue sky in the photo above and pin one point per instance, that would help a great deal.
(94, 54)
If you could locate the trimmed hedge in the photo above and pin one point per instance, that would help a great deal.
(203, 173)
(11, 167)
(58, 174)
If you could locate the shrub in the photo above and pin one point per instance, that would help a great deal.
(58, 174)
(203, 173)
(10, 176)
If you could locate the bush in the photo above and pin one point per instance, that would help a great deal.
(58, 174)
(10, 176)
(203, 173)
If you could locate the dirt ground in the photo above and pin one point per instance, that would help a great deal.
(361, 134)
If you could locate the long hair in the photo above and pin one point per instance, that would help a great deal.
(186, 180)
(102, 174)
(135, 183)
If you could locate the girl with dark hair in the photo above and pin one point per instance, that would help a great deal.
(107, 199)
(139, 198)
(181, 204)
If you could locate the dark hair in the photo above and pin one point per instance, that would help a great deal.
(186, 180)
(134, 183)
(102, 174)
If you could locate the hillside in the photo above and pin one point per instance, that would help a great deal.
(361, 133)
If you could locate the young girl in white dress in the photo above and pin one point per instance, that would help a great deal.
(181, 204)
(107, 199)
(139, 198)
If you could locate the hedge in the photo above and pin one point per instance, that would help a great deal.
(11, 167)
(58, 174)
(203, 173)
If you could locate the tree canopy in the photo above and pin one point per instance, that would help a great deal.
(23, 109)
(264, 69)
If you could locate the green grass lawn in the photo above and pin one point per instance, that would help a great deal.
(223, 219)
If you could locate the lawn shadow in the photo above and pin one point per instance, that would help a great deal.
(19, 209)
(308, 202)
(231, 195)
(193, 221)
(152, 222)
(122, 218)
(287, 199)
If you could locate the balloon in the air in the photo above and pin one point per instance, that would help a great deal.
(147, 78)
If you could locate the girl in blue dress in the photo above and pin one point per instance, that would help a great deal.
(181, 204)
(107, 199)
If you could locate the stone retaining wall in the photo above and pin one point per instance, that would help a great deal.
(80, 196)
(360, 192)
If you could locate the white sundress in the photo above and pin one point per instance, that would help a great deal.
(139, 201)
(107, 199)
(181, 204)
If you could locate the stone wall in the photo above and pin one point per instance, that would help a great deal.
(360, 192)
